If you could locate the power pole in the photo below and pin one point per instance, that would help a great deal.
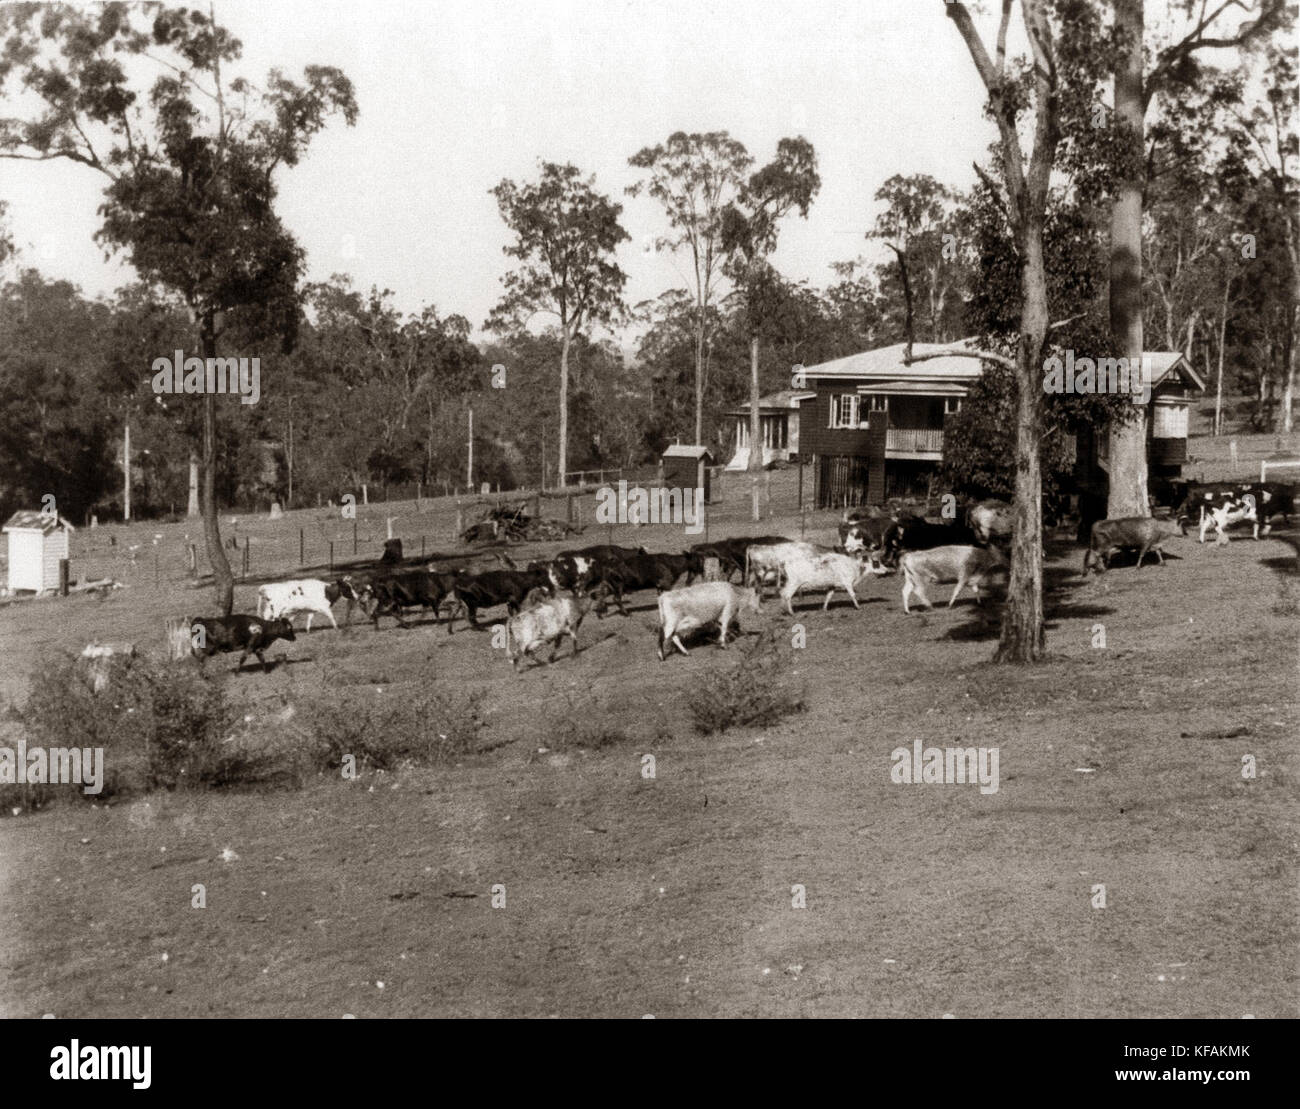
(469, 466)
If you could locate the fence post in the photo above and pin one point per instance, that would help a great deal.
(194, 561)
(331, 556)
(354, 533)
(301, 549)
(63, 574)
(460, 521)
(246, 538)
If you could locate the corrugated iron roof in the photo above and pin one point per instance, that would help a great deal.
(26, 520)
(686, 450)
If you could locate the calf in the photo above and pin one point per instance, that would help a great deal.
(965, 565)
(1143, 532)
(918, 535)
(698, 606)
(495, 587)
(251, 634)
(309, 595)
(826, 571)
(548, 621)
(1226, 515)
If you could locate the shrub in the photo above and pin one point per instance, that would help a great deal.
(161, 726)
(423, 727)
(582, 725)
(756, 690)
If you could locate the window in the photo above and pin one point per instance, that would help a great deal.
(951, 405)
(844, 410)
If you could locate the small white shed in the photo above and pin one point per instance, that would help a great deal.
(37, 542)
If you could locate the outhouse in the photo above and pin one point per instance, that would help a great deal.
(686, 466)
(37, 542)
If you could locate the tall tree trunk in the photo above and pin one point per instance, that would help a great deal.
(1023, 638)
(755, 431)
(699, 375)
(192, 508)
(1128, 438)
(222, 579)
(1218, 387)
(563, 462)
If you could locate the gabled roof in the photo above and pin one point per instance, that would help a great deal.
(45, 523)
(687, 450)
(1165, 363)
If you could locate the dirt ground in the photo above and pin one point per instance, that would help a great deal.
(1120, 766)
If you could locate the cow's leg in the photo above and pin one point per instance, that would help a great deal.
(961, 581)
(1142, 553)
(853, 595)
(328, 612)
(1160, 555)
(907, 592)
(262, 659)
(788, 596)
(574, 636)
(680, 646)
(725, 623)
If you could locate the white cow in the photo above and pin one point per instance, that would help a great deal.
(825, 571)
(967, 565)
(286, 599)
(697, 606)
(1226, 515)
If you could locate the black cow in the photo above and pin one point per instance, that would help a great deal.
(918, 535)
(730, 553)
(644, 571)
(251, 634)
(416, 589)
(496, 587)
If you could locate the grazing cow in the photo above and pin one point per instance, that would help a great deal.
(547, 621)
(1228, 514)
(495, 587)
(1143, 532)
(918, 535)
(963, 564)
(250, 634)
(991, 521)
(309, 595)
(829, 571)
(698, 606)
(387, 596)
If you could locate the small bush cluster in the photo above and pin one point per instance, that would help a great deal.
(756, 690)
(428, 727)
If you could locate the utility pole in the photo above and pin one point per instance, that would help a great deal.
(469, 466)
(289, 459)
(126, 473)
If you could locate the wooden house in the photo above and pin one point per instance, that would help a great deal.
(874, 427)
(778, 415)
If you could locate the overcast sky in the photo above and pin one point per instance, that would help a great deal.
(455, 96)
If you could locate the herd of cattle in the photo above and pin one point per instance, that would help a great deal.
(547, 600)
